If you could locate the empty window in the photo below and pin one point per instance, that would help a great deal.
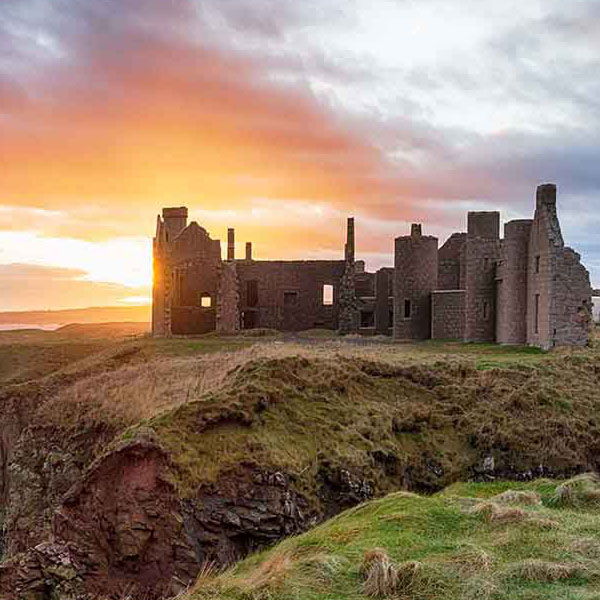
(407, 309)
(537, 264)
(205, 301)
(537, 313)
(486, 310)
(327, 295)
(367, 318)
(391, 318)
(252, 292)
(290, 298)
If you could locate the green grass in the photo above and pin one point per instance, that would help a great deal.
(548, 552)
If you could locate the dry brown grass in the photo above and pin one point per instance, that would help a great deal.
(384, 578)
(519, 497)
(379, 573)
(494, 513)
(271, 573)
(587, 546)
(145, 389)
(579, 491)
(545, 571)
(472, 560)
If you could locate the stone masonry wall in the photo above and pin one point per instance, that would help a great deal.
(289, 294)
(511, 311)
(415, 278)
(228, 299)
(449, 262)
(573, 300)
(544, 245)
(481, 256)
(448, 314)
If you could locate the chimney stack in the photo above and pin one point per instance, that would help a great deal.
(248, 250)
(350, 240)
(546, 195)
(231, 244)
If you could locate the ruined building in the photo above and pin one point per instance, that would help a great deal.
(525, 288)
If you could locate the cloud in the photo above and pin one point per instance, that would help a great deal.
(38, 288)
(391, 111)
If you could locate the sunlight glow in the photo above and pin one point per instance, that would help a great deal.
(123, 261)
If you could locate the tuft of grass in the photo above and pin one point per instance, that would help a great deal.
(520, 497)
(494, 513)
(582, 490)
(381, 576)
(546, 571)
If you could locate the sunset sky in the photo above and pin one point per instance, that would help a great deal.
(281, 118)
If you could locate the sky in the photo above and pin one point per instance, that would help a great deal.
(281, 118)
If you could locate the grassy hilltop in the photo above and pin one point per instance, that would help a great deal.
(229, 444)
(471, 542)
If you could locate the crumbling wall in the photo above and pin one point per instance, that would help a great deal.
(449, 262)
(572, 302)
(559, 290)
(448, 314)
(348, 314)
(288, 295)
(195, 261)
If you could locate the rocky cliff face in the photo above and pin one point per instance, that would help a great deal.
(100, 509)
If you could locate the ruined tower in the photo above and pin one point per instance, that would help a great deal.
(511, 283)
(559, 293)
(415, 278)
(482, 251)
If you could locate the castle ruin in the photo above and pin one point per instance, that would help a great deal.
(525, 288)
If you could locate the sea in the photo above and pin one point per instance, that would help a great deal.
(16, 326)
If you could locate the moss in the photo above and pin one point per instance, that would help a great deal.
(394, 425)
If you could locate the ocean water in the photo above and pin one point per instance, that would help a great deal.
(15, 326)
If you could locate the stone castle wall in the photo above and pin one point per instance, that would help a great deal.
(448, 314)
(481, 255)
(449, 257)
(525, 288)
(511, 277)
(415, 278)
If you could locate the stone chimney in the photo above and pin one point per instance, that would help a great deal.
(416, 230)
(546, 195)
(350, 250)
(248, 250)
(231, 244)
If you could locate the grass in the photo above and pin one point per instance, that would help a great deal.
(417, 415)
(395, 416)
(427, 548)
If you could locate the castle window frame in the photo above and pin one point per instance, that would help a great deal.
(205, 300)
(290, 298)
(537, 264)
(327, 294)
(536, 324)
(407, 309)
(486, 310)
(367, 319)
